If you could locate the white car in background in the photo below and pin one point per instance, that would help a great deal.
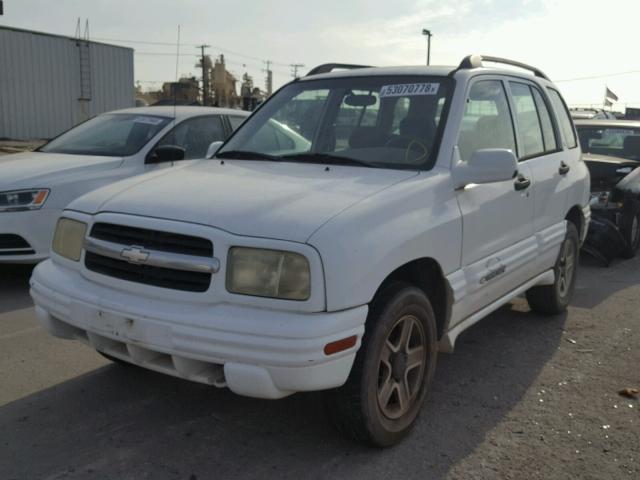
(36, 186)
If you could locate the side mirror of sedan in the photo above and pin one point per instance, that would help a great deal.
(166, 153)
(213, 148)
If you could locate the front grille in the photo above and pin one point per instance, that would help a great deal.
(155, 276)
(11, 244)
(152, 240)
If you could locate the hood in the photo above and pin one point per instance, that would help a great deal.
(590, 158)
(607, 171)
(630, 183)
(39, 169)
(253, 198)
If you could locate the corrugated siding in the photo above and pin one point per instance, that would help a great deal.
(40, 83)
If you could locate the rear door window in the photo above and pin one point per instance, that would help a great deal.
(548, 133)
(526, 113)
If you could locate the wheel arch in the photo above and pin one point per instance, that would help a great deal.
(575, 216)
(427, 275)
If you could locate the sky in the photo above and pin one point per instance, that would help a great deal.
(570, 40)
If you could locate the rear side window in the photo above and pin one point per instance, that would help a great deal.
(487, 120)
(564, 120)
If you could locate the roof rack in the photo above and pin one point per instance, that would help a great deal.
(329, 67)
(475, 61)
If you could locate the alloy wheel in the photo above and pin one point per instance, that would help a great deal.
(401, 367)
(566, 267)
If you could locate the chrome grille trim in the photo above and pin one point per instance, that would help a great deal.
(187, 263)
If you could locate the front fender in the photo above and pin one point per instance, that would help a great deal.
(361, 246)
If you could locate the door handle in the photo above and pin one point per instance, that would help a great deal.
(522, 183)
(564, 168)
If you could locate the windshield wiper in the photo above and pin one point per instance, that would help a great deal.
(247, 155)
(330, 159)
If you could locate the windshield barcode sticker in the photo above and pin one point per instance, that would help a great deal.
(408, 89)
(148, 120)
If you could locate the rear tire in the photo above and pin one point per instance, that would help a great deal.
(379, 403)
(630, 230)
(554, 299)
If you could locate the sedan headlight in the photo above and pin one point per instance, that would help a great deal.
(69, 237)
(18, 200)
(268, 273)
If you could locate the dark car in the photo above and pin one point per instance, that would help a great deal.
(611, 150)
(591, 114)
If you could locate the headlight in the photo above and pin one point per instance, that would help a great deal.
(69, 237)
(268, 273)
(23, 200)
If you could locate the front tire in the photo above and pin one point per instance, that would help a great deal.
(554, 299)
(379, 403)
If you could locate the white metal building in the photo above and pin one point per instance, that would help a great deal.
(49, 83)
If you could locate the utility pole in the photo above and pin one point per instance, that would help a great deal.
(294, 69)
(269, 79)
(205, 76)
(428, 34)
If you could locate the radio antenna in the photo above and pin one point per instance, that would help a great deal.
(175, 85)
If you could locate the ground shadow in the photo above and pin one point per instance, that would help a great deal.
(14, 287)
(127, 423)
(597, 283)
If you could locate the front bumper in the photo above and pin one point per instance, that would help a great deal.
(35, 227)
(255, 352)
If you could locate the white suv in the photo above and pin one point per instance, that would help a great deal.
(423, 199)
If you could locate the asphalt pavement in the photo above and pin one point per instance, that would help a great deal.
(522, 396)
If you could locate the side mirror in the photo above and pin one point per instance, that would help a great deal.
(166, 153)
(213, 148)
(486, 166)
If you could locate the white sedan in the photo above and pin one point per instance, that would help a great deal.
(36, 186)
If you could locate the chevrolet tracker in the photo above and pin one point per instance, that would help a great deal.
(421, 200)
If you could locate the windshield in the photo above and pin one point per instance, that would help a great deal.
(112, 135)
(616, 141)
(385, 122)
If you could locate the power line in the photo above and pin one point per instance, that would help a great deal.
(227, 61)
(173, 54)
(294, 69)
(594, 77)
(217, 47)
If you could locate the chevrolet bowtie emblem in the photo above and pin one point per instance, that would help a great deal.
(134, 254)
